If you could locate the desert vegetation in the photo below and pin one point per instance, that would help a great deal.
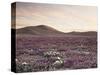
(46, 53)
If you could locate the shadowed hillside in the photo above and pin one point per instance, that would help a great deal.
(38, 30)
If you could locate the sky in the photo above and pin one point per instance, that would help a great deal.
(65, 18)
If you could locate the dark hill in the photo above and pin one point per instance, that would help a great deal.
(38, 30)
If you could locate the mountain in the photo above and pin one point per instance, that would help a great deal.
(38, 30)
(46, 30)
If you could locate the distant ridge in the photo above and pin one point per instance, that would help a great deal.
(88, 33)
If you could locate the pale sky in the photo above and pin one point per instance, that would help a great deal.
(65, 18)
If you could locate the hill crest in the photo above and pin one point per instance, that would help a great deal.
(39, 30)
